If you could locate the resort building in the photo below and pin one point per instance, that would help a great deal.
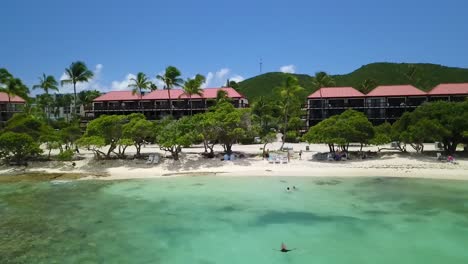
(155, 104)
(382, 104)
(10, 106)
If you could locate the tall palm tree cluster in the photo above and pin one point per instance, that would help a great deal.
(171, 78)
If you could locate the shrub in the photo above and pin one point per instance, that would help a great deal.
(66, 155)
(18, 147)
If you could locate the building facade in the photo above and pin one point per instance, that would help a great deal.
(10, 106)
(155, 105)
(382, 104)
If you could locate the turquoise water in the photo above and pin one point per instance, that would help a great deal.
(235, 220)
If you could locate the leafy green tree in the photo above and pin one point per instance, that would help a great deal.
(322, 79)
(52, 140)
(442, 121)
(205, 129)
(140, 83)
(382, 134)
(231, 124)
(70, 134)
(171, 79)
(76, 73)
(193, 87)
(139, 130)
(107, 129)
(47, 83)
(232, 84)
(267, 139)
(350, 126)
(174, 135)
(18, 147)
(27, 124)
(290, 102)
(93, 143)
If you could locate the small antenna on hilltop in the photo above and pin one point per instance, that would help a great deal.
(261, 65)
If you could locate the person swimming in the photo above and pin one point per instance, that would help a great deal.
(288, 189)
(284, 249)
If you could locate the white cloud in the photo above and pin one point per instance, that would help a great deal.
(237, 78)
(219, 78)
(122, 85)
(288, 68)
(222, 73)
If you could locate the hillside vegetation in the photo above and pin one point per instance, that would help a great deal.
(424, 76)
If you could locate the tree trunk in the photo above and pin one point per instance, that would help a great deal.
(138, 149)
(111, 148)
(361, 147)
(191, 105)
(205, 143)
(228, 148)
(263, 154)
(169, 96)
(139, 101)
(74, 99)
(285, 125)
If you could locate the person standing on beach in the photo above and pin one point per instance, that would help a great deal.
(300, 154)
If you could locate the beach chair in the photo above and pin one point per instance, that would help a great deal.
(284, 160)
(150, 159)
(156, 159)
(441, 157)
(271, 159)
(330, 157)
(278, 159)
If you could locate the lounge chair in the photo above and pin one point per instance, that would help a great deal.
(440, 157)
(156, 159)
(284, 159)
(330, 157)
(278, 159)
(271, 159)
(150, 159)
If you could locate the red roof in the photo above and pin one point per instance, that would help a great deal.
(13, 99)
(336, 92)
(117, 96)
(396, 90)
(450, 88)
(208, 93)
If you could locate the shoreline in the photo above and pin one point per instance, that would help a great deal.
(391, 164)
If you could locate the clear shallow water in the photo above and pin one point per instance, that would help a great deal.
(235, 220)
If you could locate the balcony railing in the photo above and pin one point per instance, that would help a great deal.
(5, 108)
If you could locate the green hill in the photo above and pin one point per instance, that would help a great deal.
(422, 75)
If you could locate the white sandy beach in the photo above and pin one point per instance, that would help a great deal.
(388, 164)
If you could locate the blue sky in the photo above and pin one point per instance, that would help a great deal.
(226, 39)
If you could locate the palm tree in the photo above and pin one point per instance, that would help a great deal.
(367, 85)
(13, 87)
(290, 95)
(47, 83)
(322, 79)
(77, 72)
(171, 78)
(193, 87)
(141, 82)
(153, 87)
(4, 75)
